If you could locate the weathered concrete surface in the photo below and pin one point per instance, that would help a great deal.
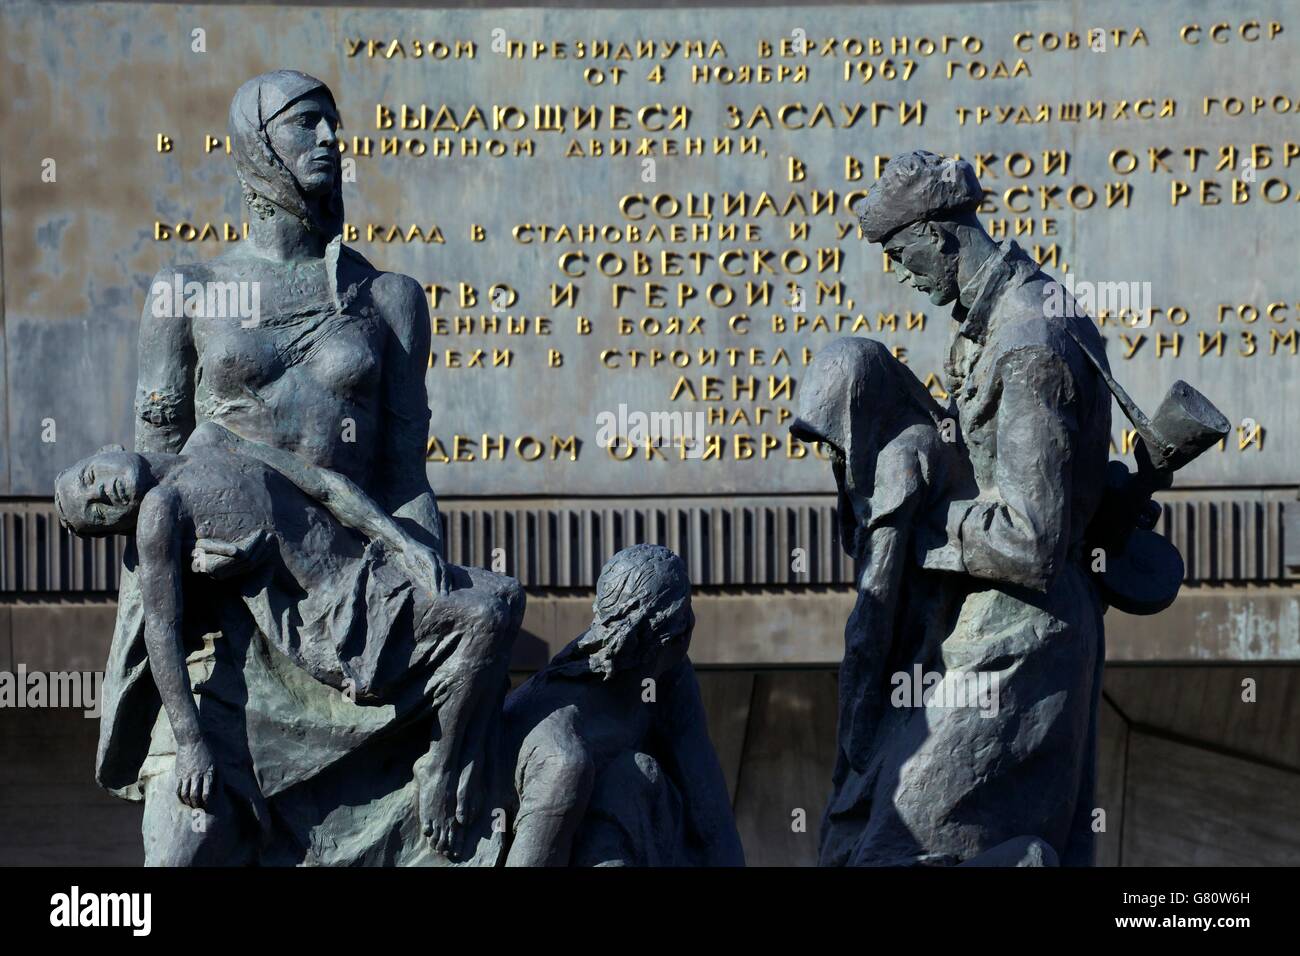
(797, 628)
(51, 811)
(1211, 625)
(61, 637)
(6, 640)
(1112, 743)
(789, 753)
(1189, 806)
(1247, 709)
(727, 694)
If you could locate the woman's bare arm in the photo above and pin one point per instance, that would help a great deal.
(164, 400)
(406, 494)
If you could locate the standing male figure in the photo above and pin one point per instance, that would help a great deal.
(1035, 419)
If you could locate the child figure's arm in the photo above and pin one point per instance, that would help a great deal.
(158, 543)
(345, 501)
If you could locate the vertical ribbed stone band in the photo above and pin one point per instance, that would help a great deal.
(1224, 537)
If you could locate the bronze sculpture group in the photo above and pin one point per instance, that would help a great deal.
(297, 676)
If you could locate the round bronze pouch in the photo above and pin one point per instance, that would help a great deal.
(1145, 577)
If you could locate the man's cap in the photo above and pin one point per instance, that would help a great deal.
(916, 187)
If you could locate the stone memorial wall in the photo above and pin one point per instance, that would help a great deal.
(634, 223)
(635, 229)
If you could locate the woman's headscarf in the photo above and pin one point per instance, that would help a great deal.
(854, 397)
(261, 171)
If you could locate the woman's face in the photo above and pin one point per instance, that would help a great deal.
(304, 136)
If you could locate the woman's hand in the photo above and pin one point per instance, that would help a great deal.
(195, 774)
(426, 567)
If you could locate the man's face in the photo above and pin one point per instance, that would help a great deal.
(304, 137)
(101, 494)
(919, 258)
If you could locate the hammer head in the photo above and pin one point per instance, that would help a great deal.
(1184, 426)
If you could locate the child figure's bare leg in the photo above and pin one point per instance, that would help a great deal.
(481, 747)
(554, 778)
(477, 625)
(449, 774)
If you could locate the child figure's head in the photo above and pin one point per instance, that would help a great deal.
(642, 616)
(101, 495)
